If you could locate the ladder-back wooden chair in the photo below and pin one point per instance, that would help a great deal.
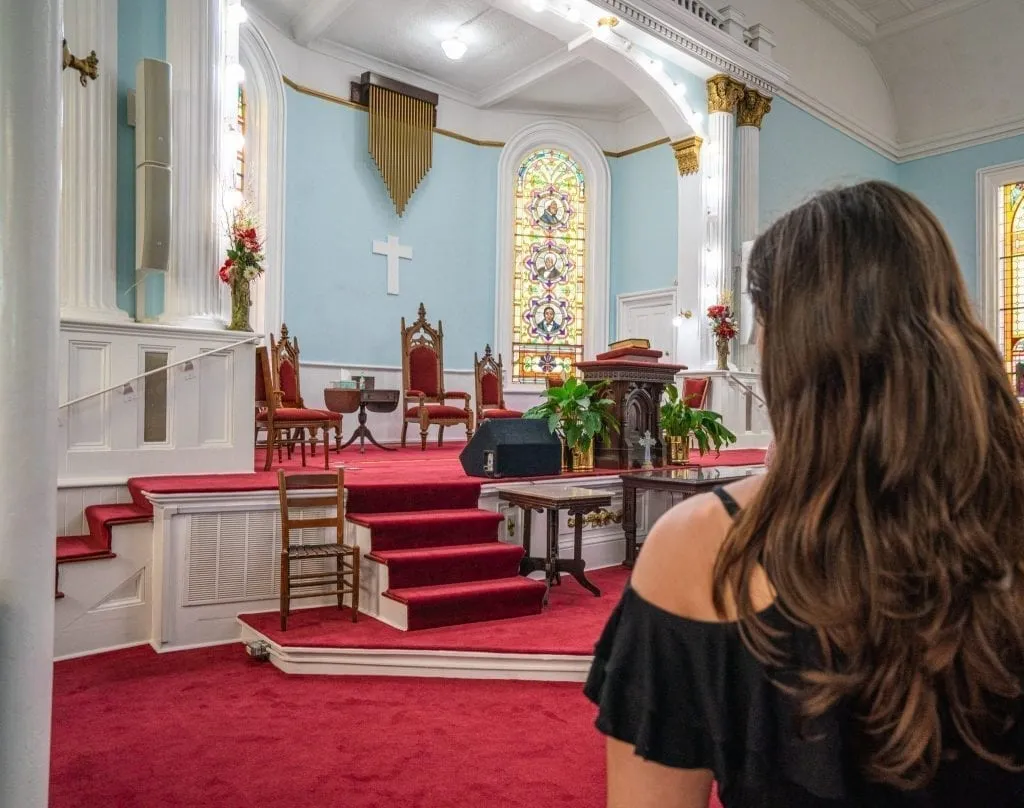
(291, 387)
(695, 391)
(344, 578)
(424, 399)
(262, 397)
(490, 388)
(285, 426)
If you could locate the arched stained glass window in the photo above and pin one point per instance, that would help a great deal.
(1011, 287)
(239, 183)
(549, 269)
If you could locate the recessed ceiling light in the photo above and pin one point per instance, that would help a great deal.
(572, 14)
(454, 48)
(538, 5)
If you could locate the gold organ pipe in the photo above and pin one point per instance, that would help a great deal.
(401, 131)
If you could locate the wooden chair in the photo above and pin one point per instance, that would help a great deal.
(287, 369)
(423, 395)
(695, 391)
(490, 388)
(341, 581)
(285, 426)
(261, 403)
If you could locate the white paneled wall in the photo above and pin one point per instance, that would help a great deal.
(73, 500)
(193, 418)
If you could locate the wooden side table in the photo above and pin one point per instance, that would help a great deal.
(684, 482)
(382, 401)
(552, 499)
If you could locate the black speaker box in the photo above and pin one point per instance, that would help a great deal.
(512, 447)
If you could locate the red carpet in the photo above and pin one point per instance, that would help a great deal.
(570, 624)
(212, 729)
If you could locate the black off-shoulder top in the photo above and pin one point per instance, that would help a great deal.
(690, 695)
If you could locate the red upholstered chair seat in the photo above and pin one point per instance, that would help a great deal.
(330, 416)
(497, 413)
(437, 411)
(294, 414)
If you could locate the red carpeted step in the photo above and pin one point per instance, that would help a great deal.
(452, 604)
(396, 496)
(422, 528)
(449, 565)
(81, 548)
(101, 518)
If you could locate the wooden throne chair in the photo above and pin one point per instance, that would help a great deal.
(490, 388)
(287, 369)
(424, 399)
(285, 426)
(695, 391)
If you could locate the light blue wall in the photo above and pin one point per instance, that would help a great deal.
(141, 34)
(947, 184)
(801, 155)
(644, 224)
(336, 205)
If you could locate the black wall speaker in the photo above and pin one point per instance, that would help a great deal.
(512, 447)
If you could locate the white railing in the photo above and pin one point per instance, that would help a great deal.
(161, 369)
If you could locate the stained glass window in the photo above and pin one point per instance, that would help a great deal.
(1011, 287)
(549, 270)
(240, 156)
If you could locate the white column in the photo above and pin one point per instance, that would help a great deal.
(30, 158)
(195, 49)
(749, 115)
(717, 270)
(88, 225)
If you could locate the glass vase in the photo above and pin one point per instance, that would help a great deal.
(241, 303)
(722, 346)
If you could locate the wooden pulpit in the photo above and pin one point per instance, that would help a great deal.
(635, 385)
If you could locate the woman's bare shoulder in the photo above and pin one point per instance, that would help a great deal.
(674, 570)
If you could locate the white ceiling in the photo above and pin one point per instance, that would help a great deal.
(872, 20)
(509, 63)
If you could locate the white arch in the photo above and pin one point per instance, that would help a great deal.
(265, 168)
(668, 110)
(557, 135)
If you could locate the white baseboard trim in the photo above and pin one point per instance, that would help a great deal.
(94, 651)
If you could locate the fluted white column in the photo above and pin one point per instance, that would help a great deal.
(195, 49)
(30, 158)
(750, 114)
(88, 226)
(724, 92)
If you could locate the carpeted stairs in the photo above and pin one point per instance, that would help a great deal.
(444, 566)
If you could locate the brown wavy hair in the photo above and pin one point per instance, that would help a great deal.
(891, 521)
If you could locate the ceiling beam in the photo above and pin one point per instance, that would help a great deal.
(313, 21)
(526, 77)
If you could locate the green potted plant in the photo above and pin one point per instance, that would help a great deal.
(577, 413)
(681, 423)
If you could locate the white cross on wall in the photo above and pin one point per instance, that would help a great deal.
(394, 251)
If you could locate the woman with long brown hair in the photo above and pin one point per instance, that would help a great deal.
(848, 628)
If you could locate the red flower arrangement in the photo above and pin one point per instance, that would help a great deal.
(242, 266)
(245, 251)
(723, 323)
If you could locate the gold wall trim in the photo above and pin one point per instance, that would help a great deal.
(494, 144)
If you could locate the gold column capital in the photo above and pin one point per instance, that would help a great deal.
(752, 108)
(687, 153)
(724, 92)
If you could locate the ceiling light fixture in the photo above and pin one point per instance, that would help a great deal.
(572, 14)
(604, 27)
(237, 14)
(454, 48)
(538, 5)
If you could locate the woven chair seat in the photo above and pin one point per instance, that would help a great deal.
(318, 550)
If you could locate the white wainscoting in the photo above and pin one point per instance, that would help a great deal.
(72, 500)
(196, 418)
(215, 555)
(387, 428)
(734, 395)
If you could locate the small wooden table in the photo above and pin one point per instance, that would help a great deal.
(685, 481)
(348, 401)
(554, 498)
